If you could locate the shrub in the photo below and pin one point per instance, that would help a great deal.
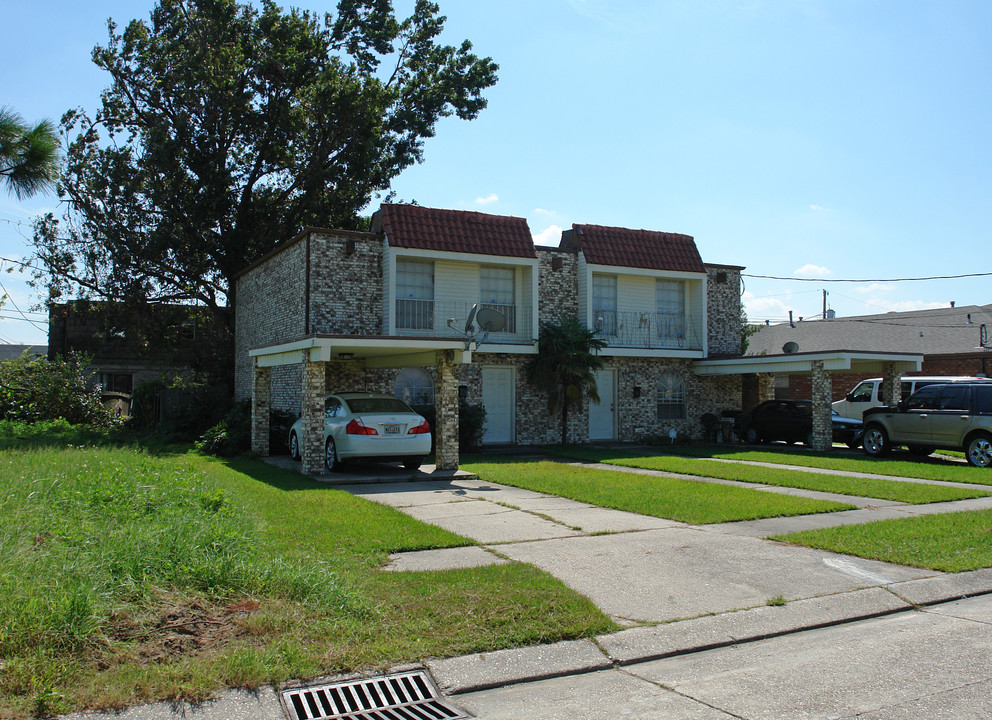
(471, 423)
(35, 390)
(231, 436)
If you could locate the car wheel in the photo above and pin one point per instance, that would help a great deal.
(752, 436)
(979, 451)
(921, 450)
(294, 446)
(876, 442)
(412, 463)
(331, 456)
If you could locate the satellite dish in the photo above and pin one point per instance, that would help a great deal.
(790, 347)
(471, 318)
(490, 320)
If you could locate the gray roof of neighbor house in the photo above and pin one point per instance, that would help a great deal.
(944, 331)
(12, 352)
(625, 247)
(464, 231)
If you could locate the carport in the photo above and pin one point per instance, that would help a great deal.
(820, 366)
(349, 354)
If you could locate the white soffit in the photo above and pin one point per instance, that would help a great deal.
(802, 363)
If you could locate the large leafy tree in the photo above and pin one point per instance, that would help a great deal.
(29, 155)
(565, 364)
(230, 126)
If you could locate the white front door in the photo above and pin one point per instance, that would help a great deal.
(497, 398)
(602, 415)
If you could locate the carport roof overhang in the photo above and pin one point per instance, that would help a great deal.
(799, 363)
(377, 352)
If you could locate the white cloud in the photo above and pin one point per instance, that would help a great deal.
(875, 288)
(816, 208)
(551, 236)
(810, 270)
(772, 308)
(490, 198)
(542, 211)
(905, 305)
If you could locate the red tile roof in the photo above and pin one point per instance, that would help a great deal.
(635, 248)
(412, 226)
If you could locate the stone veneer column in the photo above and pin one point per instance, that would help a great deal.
(260, 400)
(891, 385)
(314, 390)
(446, 405)
(766, 387)
(820, 382)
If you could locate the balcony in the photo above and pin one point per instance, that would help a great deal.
(648, 330)
(430, 318)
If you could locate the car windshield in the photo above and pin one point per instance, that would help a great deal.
(378, 405)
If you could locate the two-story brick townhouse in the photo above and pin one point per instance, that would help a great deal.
(331, 311)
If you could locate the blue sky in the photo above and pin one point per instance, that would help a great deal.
(826, 140)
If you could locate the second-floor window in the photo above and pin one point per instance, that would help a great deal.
(497, 292)
(604, 304)
(670, 296)
(414, 295)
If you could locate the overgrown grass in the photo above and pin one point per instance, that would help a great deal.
(952, 542)
(907, 492)
(898, 464)
(127, 577)
(684, 500)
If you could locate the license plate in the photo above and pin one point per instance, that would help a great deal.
(391, 429)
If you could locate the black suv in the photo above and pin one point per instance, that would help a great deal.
(957, 416)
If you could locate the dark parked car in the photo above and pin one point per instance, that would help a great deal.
(955, 416)
(792, 421)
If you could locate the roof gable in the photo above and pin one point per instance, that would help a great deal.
(635, 248)
(462, 231)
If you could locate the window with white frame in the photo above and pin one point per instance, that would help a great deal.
(670, 296)
(414, 386)
(671, 397)
(604, 304)
(497, 291)
(414, 295)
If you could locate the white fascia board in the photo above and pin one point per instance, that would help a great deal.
(659, 353)
(647, 272)
(785, 364)
(505, 349)
(377, 348)
(418, 253)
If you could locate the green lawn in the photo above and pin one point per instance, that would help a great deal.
(684, 500)
(952, 542)
(128, 577)
(915, 493)
(898, 464)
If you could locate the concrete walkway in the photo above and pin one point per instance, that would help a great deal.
(681, 591)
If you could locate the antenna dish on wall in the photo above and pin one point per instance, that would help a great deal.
(471, 318)
(790, 347)
(490, 320)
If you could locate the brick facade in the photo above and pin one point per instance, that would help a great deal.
(331, 283)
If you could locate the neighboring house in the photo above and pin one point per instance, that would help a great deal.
(12, 352)
(951, 340)
(385, 311)
(128, 348)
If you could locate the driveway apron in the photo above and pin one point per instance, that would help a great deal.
(636, 569)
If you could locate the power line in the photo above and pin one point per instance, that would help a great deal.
(869, 280)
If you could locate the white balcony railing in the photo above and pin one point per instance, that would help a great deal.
(647, 330)
(430, 318)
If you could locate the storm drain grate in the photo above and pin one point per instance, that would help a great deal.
(406, 696)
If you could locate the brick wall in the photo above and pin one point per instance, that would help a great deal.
(723, 310)
(346, 283)
(270, 309)
(557, 286)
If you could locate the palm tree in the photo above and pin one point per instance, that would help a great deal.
(565, 364)
(29, 156)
